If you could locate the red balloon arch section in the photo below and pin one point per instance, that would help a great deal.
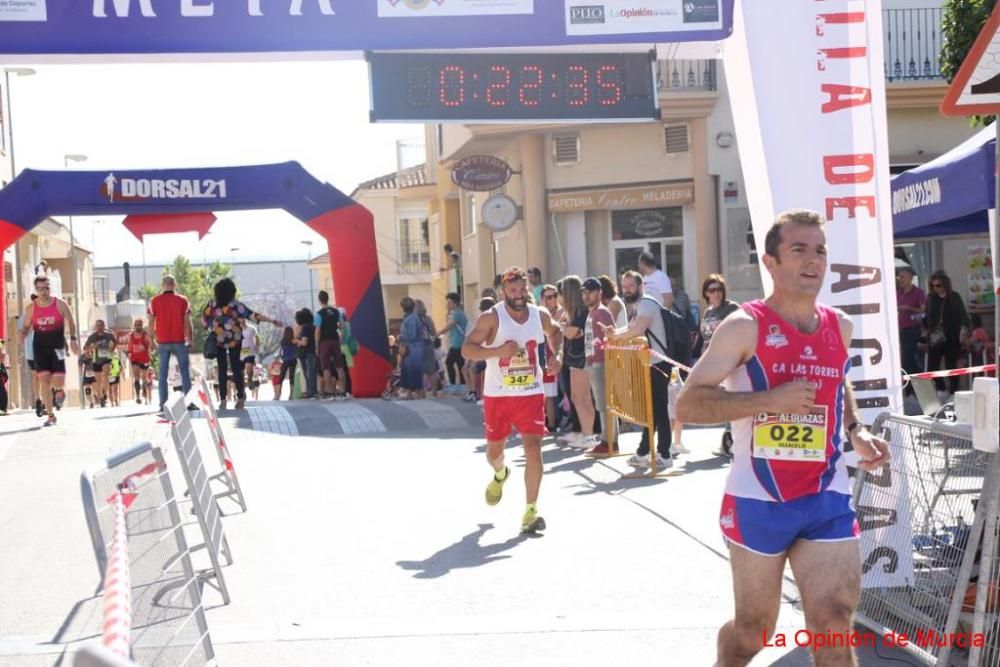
(177, 200)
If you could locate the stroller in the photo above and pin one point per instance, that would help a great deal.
(392, 382)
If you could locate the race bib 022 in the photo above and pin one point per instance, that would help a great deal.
(789, 437)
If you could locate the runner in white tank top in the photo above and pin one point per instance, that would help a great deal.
(521, 374)
(510, 338)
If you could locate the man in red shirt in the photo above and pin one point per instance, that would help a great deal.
(139, 347)
(170, 323)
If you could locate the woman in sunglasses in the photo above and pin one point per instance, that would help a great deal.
(717, 308)
(947, 327)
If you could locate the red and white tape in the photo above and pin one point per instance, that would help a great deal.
(117, 629)
(988, 368)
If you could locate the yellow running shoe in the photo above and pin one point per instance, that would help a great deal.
(531, 522)
(494, 490)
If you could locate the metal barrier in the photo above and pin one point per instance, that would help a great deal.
(202, 395)
(628, 386)
(202, 500)
(921, 518)
(97, 656)
(167, 624)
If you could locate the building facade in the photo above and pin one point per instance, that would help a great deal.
(407, 241)
(593, 196)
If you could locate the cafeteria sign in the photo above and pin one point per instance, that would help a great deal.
(481, 173)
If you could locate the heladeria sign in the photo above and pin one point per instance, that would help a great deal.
(167, 27)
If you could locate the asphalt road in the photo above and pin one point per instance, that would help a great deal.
(367, 542)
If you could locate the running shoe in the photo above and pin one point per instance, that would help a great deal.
(662, 463)
(570, 438)
(240, 402)
(602, 450)
(637, 461)
(532, 522)
(674, 451)
(494, 490)
(39, 408)
(681, 449)
(585, 442)
(59, 399)
(51, 421)
(222, 404)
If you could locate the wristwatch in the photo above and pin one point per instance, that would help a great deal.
(852, 426)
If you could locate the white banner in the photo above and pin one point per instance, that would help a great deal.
(808, 98)
(414, 8)
(811, 127)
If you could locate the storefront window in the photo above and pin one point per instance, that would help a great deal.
(659, 231)
(649, 223)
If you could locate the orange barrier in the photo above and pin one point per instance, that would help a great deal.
(628, 389)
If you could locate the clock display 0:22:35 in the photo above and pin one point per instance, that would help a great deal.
(512, 86)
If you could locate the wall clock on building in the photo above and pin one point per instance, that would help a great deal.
(500, 212)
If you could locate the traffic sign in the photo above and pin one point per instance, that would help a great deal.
(976, 87)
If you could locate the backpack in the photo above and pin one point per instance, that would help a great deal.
(678, 343)
(329, 318)
(687, 316)
(349, 340)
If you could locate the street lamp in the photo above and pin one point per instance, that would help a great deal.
(25, 386)
(308, 245)
(67, 158)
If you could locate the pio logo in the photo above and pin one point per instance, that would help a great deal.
(586, 14)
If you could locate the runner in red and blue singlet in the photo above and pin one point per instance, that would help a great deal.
(49, 317)
(784, 362)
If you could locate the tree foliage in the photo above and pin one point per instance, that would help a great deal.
(961, 21)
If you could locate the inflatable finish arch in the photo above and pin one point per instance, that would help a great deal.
(346, 225)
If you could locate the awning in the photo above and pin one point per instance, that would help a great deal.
(950, 194)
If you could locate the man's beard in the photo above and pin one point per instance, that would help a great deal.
(516, 304)
(629, 297)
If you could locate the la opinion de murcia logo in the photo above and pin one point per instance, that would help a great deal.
(197, 8)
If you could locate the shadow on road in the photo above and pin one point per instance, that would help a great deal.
(128, 415)
(706, 464)
(465, 553)
(27, 429)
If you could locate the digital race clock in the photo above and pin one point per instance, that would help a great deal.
(507, 87)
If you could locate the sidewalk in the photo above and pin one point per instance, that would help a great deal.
(380, 550)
